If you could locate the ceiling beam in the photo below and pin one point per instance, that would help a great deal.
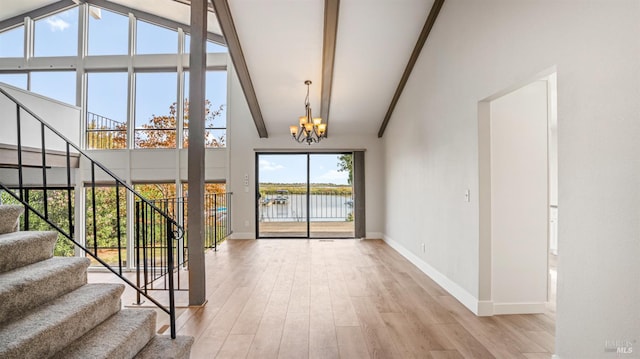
(426, 29)
(331, 10)
(221, 8)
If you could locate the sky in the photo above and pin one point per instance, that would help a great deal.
(292, 168)
(56, 35)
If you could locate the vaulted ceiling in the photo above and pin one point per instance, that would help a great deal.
(354, 51)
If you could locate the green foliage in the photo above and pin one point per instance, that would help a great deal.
(345, 163)
(57, 207)
(106, 218)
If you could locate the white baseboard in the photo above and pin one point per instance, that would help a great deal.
(519, 308)
(485, 308)
(461, 294)
(241, 235)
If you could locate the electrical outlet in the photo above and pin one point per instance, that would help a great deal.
(424, 248)
(467, 196)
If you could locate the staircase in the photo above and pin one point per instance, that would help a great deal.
(49, 311)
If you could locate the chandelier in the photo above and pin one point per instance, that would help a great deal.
(309, 129)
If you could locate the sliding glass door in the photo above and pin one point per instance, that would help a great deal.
(330, 196)
(304, 195)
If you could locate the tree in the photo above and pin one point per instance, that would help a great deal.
(57, 213)
(105, 137)
(160, 132)
(346, 164)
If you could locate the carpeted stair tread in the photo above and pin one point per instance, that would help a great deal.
(163, 347)
(18, 249)
(28, 287)
(121, 336)
(47, 329)
(9, 215)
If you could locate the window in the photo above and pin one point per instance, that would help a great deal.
(58, 209)
(153, 39)
(106, 223)
(108, 32)
(59, 85)
(216, 114)
(17, 80)
(107, 110)
(156, 191)
(212, 47)
(155, 110)
(12, 43)
(57, 35)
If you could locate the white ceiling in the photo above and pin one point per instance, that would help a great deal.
(10, 8)
(282, 43)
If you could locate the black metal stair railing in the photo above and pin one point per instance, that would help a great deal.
(217, 227)
(149, 219)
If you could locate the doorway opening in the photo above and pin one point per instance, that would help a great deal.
(305, 195)
(519, 199)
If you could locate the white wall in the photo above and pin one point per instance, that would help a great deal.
(158, 165)
(61, 116)
(243, 141)
(479, 48)
(519, 200)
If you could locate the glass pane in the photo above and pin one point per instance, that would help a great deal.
(108, 32)
(331, 197)
(106, 244)
(154, 39)
(12, 43)
(156, 191)
(216, 119)
(216, 94)
(59, 85)
(17, 80)
(107, 110)
(58, 206)
(57, 35)
(156, 110)
(282, 196)
(212, 47)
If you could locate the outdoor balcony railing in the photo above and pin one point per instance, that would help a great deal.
(323, 206)
(105, 133)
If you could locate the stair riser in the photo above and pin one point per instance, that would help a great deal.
(121, 336)
(23, 248)
(53, 327)
(28, 287)
(163, 347)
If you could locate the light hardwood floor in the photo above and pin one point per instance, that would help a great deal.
(343, 299)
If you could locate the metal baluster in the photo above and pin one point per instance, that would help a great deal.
(172, 305)
(19, 143)
(69, 209)
(118, 227)
(138, 238)
(93, 207)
